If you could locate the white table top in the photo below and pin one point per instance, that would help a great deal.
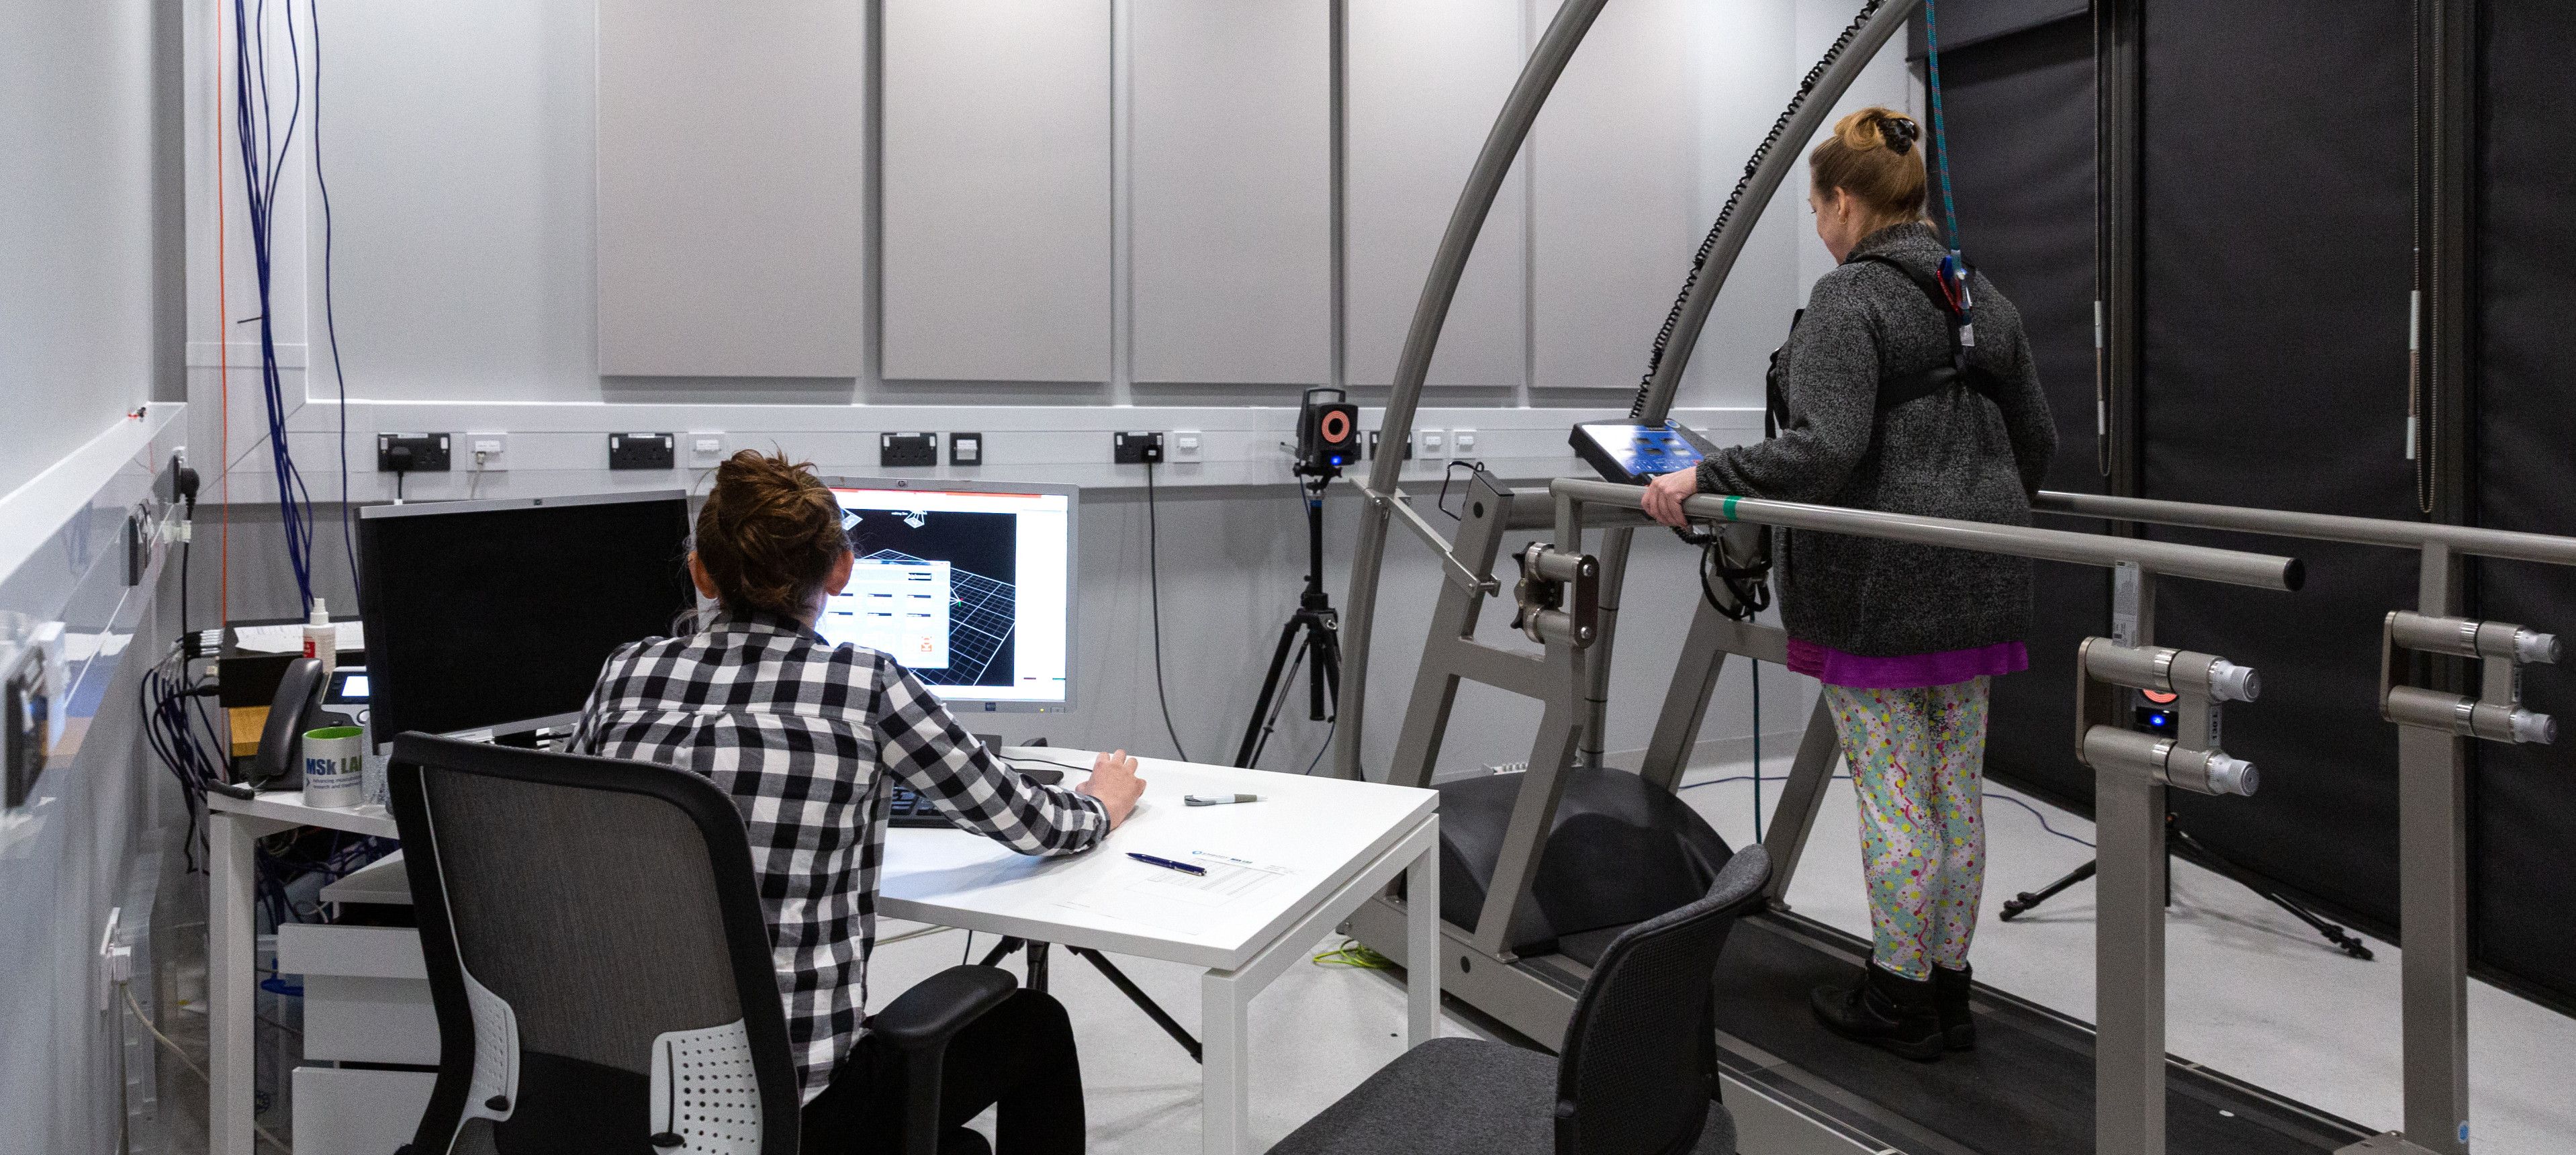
(1321, 831)
(288, 806)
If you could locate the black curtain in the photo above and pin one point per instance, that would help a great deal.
(2524, 797)
(2019, 106)
(2278, 212)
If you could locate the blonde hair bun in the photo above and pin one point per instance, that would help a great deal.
(1878, 127)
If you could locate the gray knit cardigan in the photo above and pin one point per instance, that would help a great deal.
(1952, 454)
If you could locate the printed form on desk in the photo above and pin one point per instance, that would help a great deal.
(1173, 900)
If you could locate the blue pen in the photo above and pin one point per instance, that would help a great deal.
(1166, 863)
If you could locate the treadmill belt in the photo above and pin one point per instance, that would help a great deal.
(2027, 1089)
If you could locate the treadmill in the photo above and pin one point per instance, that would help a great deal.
(1622, 847)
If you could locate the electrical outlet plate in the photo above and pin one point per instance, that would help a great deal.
(1373, 440)
(1462, 443)
(429, 452)
(1135, 448)
(706, 449)
(907, 450)
(1185, 445)
(640, 450)
(26, 708)
(1434, 442)
(966, 449)
(489, 452)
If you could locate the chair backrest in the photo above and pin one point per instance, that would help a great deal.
(1639, 1068)
(597, 955)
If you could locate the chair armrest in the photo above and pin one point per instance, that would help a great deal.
(938, 1007)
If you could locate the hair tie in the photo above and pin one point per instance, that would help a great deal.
(1900, 133)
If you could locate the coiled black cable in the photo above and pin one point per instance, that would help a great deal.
(1734, 200)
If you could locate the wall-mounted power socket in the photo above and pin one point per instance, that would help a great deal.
(966, 449)
(1185, 445)
(706, 449)
(1373, 439)
(907, 450)
(1434, 443)
(1462, 444)
(412, 453)
(488, 452)
(1135, 448)
(640, 450)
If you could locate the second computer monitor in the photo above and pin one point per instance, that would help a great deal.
(967, 584)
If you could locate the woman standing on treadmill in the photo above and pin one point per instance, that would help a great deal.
(809, 737)
(1884, 403)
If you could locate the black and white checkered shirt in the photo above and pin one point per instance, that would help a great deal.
(800, 732)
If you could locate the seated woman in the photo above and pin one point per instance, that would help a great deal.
(810, 739)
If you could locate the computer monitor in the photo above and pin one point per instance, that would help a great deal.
(967, 584)
(498, 614)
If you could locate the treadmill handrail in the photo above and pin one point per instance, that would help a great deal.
(2172, 559)
(2513, 545)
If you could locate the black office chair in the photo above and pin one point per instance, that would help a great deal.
(1638, 1076)
(601, 968)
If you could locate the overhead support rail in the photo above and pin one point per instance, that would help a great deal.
(1877, 22)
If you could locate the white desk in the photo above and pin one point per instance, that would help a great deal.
(231, 946)
(1344, 842)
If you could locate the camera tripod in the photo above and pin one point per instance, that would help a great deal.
(2175, 835)
(1312, 637)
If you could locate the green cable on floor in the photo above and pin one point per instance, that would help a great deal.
(1352, 954)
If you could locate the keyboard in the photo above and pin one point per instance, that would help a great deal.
(910, 810)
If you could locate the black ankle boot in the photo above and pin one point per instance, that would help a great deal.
(1950, 1000)
(1885, 1011)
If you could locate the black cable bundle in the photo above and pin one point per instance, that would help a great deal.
(175, 719)
(1770, 140)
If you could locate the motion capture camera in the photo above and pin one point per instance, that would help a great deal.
(1633, 454)
(2501, 649)
(2185, 755)
(1328, 433)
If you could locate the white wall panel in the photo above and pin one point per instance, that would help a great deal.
(1231, 242)
(457, 138)
(1425, 80)
(731, 144)
(1618, 169)
(997, 212)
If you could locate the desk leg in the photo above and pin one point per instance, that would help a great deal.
(231, 1001)
(1225, 1101)
(1422, 947)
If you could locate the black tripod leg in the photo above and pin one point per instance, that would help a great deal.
(2026, 901)
(1330, 660)
(2341, 939)
(1137, 995)
(1252, 732)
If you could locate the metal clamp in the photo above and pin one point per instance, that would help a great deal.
(1547, 615)
(2191, 759)
(2502, 649)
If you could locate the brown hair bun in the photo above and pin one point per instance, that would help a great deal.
(769, 534)
(1871, 155)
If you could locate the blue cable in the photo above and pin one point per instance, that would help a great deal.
(1759, 779)
(1940, 136)
(264, 155)
(330, 316)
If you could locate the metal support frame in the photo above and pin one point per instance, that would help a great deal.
(2432, 792)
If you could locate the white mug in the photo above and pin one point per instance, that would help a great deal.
(333, 761)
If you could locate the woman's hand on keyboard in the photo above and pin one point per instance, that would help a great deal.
(1114, 782)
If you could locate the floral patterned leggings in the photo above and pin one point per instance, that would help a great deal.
(1917, 758)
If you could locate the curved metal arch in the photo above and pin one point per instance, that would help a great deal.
(1770, 166)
